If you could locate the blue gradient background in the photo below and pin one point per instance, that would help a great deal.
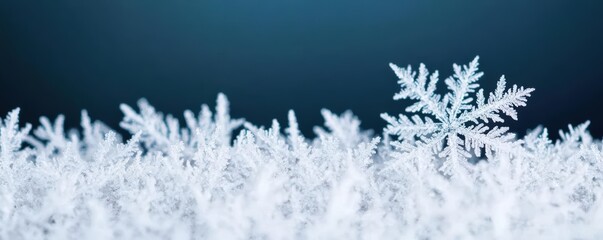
(273, 55)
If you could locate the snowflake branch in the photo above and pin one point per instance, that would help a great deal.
(429, 102)
(407, 127)
(462, 83)
(498, 102)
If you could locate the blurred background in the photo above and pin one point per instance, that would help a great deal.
(270, 56)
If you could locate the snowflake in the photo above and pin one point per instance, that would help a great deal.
(457, 121)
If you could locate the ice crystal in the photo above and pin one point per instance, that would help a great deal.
(454, 119)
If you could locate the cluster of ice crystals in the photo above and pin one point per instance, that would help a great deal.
(216, 177)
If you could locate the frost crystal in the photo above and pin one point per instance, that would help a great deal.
(454, 119)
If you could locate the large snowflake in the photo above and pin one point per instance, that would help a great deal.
(454, 119)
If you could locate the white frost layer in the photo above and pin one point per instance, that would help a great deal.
(196, 182)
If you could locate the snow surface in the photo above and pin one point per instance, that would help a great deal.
(447, 174)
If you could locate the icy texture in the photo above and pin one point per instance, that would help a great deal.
(196, 182)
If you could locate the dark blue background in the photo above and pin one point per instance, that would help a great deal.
(272, 55)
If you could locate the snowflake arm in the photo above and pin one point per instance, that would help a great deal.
(410, 127)
(499, 101)
(497, 139)
(455, 153)
(461, 84)
(422, 145)
(429, 101)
